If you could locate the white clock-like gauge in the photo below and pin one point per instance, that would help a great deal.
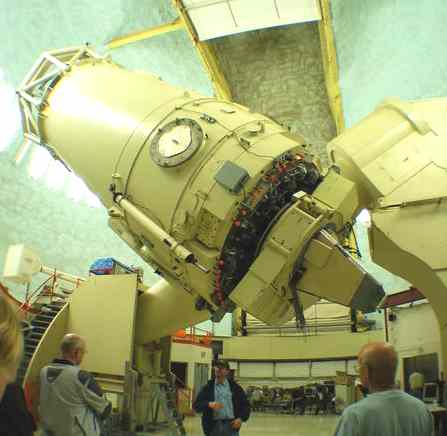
(176, 142)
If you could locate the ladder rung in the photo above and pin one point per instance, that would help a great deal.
(37, 322)
(42, 316)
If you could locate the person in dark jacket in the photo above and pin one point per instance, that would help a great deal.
(223, 404)
(299, 400)
(15, 419)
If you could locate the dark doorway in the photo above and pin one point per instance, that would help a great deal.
(180, 369)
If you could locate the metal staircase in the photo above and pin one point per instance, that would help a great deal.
(38, 327)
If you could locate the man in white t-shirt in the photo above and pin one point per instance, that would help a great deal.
(386, 411)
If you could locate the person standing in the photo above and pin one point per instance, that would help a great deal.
(223, 404)
(416, 381)
(71, 401)
(386, 411)
(299, 400)
(15, 419)
(256, 399)
(322, 399)
(11, 345)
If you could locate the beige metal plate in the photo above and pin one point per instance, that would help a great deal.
(103, 311)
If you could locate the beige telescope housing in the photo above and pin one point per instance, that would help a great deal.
(224, 203)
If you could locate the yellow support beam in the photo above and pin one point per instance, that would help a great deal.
(146, 34)
(330, 65)
(207, 54)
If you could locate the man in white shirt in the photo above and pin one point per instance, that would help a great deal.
(386, 411)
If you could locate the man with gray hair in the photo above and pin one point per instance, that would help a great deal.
(386, 411)
(71, 402)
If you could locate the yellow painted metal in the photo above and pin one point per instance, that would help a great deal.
(106, 124)
(398, 159)
(402, 244)
(340, 195)
(207, 54)
(103, 310)
(103, 121)
(262, 290)
(335, 345)
(323, 278)
(145, 34)
(389, 153)
(164, 309)
(99, 105)
(327, 271)
(330, 65)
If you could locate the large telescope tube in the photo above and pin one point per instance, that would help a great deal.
(200, 188)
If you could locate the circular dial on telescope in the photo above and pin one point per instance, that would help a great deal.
(176, 142)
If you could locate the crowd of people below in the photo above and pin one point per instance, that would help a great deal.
(72, 403)
(312, 398)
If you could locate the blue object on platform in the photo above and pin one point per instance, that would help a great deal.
(108, 266)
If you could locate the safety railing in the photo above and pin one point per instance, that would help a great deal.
(46, 292)
(193, 335)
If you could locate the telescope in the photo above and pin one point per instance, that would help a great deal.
(224, 203)
(230, 208)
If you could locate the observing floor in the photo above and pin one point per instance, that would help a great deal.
(263, 424)
(275, 424)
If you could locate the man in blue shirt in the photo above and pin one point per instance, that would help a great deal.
(386, 411)
(223, 404)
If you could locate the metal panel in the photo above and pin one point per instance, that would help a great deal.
(249, 16)
(213, 19)
(103, 311)
(327, 369)
(306, 10)
(292, 369)
(248, 369)
(352, 367)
